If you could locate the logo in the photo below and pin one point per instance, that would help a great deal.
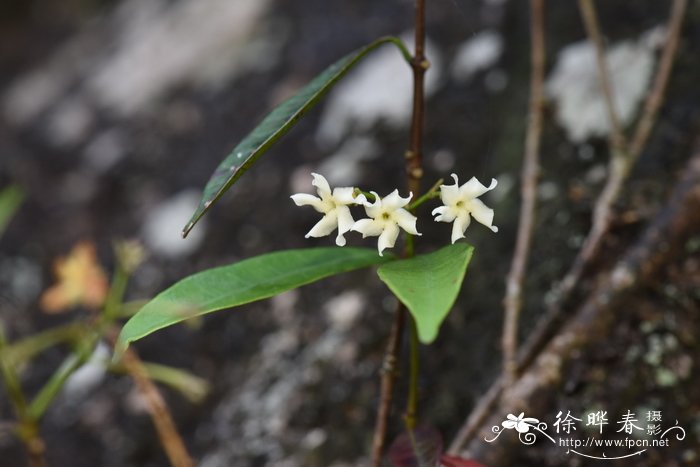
(630, 436)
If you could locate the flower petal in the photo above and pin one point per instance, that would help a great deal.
(394, 201)
(345, 223)
(368, 227)
(482, 213)
(406, 221)
(388, 237)
(325, 226)
(374, 209)
(473, 188)
(460, 226)
(344, 195)
(303, 199)
(449, 194)
(360, 199)
(320, 182)
(444, 214)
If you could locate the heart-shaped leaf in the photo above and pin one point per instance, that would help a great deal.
(276, 124)
(243, 282)
(428, 285)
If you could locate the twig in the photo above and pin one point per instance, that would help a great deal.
(514, 282)
(590, 20)
(414, 171)
(620, 167)
(170, 439)
(655, 98)
(623, 158)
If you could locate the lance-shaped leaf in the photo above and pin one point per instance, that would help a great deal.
(10, 199)
(428, 285)
(243, 282)
(276, 124)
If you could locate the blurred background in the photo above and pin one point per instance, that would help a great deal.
(114, 113)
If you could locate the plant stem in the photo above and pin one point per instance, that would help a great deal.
(414, 171)
(115, 297)
(19, 352)
(169, 438)
(590, 20)
(419, 64)
(28, 431)
(53, 386)
(514, 282)
(622, 161)
(387, 384)
(11, 381)
(412, 404)
(656, 97)
(357, 192)
(433, 192)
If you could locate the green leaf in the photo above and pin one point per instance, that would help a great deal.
(243, 282)
(53, 386)
(428, 285)
(10, 199)
(277, 123)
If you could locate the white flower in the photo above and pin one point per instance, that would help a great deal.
(333, 206)
(387, 215)
(460, 201)
(521, 423)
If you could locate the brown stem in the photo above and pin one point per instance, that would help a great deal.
(33, 443)
(514, 282)
(391, 357)
(620, 167)
(414, 156)
(656, 97)
(590, 20)
(167, 432)
(623, 156)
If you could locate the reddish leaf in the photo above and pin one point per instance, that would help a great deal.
(420, 450)
(452, 461)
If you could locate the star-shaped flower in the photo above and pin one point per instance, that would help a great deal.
(521, 423)
(460, 202)
(333, 206)
(387, 215)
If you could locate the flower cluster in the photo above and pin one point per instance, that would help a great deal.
(388, 215)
